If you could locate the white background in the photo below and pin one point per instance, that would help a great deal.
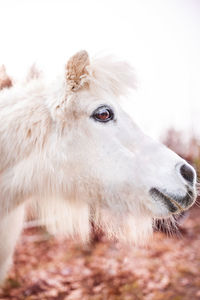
(161, 38)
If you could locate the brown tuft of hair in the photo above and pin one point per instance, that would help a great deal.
(5, 80)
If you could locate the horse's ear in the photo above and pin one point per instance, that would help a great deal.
(5, 81)
(76, 71)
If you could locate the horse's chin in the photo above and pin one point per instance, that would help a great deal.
(127, 228)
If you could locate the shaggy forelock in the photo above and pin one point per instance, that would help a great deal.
(113, 76)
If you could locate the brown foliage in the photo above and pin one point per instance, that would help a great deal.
(49, 268)
(189, 149)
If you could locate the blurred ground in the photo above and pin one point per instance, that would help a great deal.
(48, 268)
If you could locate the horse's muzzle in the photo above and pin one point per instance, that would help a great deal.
(174, 203)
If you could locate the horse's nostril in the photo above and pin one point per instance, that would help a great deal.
(187, 173)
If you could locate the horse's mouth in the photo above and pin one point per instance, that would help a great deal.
(174, 203)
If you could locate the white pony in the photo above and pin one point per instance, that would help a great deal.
(70, 149)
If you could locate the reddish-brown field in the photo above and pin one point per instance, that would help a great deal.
(49, 268)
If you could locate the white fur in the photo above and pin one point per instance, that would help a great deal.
(75, 169)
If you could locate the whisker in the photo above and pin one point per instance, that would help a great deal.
(197, 204)
(191, 196)
(169, 226)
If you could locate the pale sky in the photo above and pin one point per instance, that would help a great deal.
(160, 38)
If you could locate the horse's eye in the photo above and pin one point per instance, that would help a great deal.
(103, 114)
